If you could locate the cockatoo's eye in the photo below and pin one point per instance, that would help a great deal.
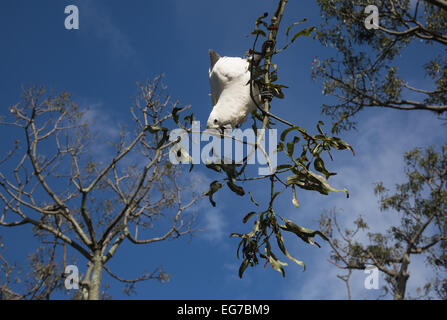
(215, 121)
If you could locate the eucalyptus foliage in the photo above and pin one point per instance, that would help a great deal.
(364, 70)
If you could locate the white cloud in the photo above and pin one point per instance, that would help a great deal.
(215, 225)
(99, 21)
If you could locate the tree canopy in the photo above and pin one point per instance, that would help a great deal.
(365, 71)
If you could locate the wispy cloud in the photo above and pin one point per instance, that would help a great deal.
(99, 21)
(215, 225)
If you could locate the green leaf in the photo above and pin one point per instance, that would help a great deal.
(260, 18)
(305, 234)
(306, 32)
(334, 126)
(175, 114)
(243, 266)
(277, 265)
(282, 138)
(309, 180)
(278, 86)
(243, 242)
(319, 124)
(290, 148)
(189, 118)
(248, 216)
(296, 128)
(280, 146)
(319, 166)
(326, 185)
(294, 24)
(294, 199)
(164, 138)
(280, 241)
(236, 189)
(340, 144)
(258, 32)
(275, 195)
(253, 200)
(255, 230)
(235, 234)
(214, 187)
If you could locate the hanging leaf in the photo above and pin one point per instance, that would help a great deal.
(296, 128)
(277, 265)
(319, 124)
(290, 148)
(248, 216)
(306, 32)
(236, 189)
(243, 266)
(175, 111)
(214, 187)
(258, 32)
(280, 146)
(319, 166)
(309, 180)
(340, 144)
(253, 200)
(334, 127)
(256, 229)
(189, 119)
(275, 195)
(164, 138)
(295, 200)
(305, 234)
(294, 24)
(280, 241)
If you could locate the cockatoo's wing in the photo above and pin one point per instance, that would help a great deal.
(224, 70)
(216, 89)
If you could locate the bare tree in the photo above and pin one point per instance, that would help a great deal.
(85, 196)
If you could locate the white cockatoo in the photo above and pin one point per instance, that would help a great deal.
(230, 92)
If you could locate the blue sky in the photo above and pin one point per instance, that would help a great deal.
(120, 43)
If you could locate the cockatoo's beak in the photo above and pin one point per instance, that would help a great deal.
(219, 129)
(211, 126)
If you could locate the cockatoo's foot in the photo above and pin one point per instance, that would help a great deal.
(266, 95)
(225, 129)
(269, 44)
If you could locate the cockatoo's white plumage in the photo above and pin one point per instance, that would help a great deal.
(230, 91)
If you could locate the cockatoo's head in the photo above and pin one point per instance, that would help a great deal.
(217, 120)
